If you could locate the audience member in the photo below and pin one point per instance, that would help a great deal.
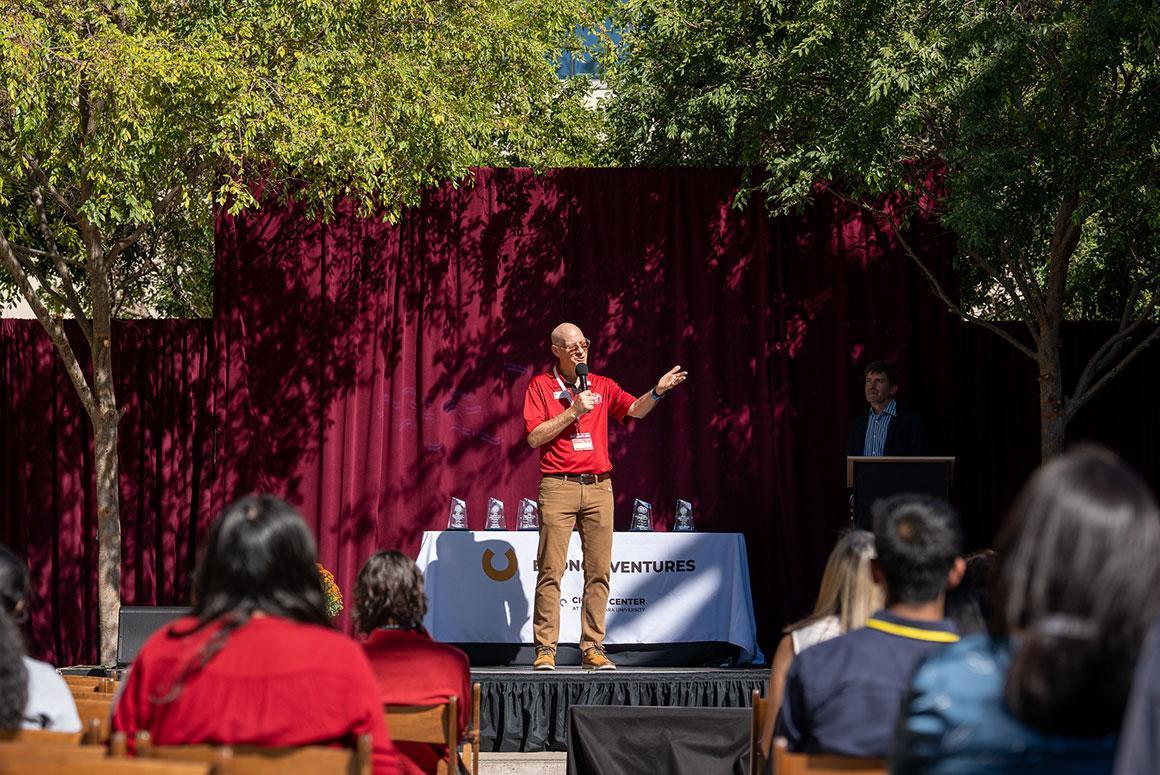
(1139, 748)
(969, 604)
(257, 661)
(411, 669)
(13, 676)
(843, 696)
(847, 597)
(50, 704)
(1075, 591)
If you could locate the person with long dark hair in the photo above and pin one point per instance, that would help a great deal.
(48, 702)
(258, 661)
(1045, 690)
(411, 669)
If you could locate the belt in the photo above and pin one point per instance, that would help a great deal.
(583, 478)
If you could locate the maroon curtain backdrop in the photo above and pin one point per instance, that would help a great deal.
(369, 372)
(46, 472)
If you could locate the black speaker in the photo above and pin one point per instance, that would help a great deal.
(138, 622)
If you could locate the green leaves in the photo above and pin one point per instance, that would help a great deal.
(1025, 108)
(375, 99)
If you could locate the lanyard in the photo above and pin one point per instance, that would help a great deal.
(567, 393)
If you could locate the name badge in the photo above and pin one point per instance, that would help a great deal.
(582, 442)
(560, 394)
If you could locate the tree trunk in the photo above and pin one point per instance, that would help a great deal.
(108, 532)
(105, 418)
(1052, 417)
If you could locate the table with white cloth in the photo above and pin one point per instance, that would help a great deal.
(665, 588)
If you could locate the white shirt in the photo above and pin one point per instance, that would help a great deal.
(814, 633)
(50, 703)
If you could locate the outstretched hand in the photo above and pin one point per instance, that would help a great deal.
(670, 380)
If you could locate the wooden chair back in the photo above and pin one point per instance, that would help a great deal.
(786, 763)
(756, 726)
(46, 758)
(260, 760)
(470, 747)
(84, 685)
(96, 714)
(41, 736)
(435, 724)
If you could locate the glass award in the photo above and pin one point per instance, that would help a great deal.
(683, 517)
(529, 515)
(495, 520)
(457, 515)
(641, 516)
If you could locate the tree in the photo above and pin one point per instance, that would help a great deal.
(1029, 128)
(121, 123)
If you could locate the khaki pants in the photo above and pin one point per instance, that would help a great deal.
(589, 507)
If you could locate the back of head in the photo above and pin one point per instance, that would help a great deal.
(1076, 591)
(969, 603)
(260, 557)
(13, 675)
(917, 539)
(848, 590)
(390, 591)
(14, 585)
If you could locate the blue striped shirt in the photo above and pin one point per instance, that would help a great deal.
(876, 427)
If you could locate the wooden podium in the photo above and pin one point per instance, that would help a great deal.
(873, 478)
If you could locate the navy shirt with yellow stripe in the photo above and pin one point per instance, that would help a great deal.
(843, 696)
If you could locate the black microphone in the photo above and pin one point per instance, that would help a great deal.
(582, 373)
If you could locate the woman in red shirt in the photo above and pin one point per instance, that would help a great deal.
(411, 669)
(258, 661)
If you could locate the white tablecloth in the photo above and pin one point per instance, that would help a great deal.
(665, 588)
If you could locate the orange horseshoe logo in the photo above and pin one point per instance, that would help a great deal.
(500, 575)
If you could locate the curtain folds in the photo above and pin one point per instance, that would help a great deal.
(369, 372)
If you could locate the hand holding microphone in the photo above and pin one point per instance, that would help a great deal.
(586, 400)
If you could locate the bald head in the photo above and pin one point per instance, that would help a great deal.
(570, 348)
(565, 333)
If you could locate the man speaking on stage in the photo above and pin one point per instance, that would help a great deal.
(566, 413)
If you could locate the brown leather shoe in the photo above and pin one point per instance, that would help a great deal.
(596, 659)
(545, 658)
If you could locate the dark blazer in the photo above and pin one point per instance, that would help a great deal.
(904, 436)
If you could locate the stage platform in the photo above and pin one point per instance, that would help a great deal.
(527, 710)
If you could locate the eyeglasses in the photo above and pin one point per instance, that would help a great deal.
(576, 347)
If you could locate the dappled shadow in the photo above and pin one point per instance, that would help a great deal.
(160, 370)
(369, 372)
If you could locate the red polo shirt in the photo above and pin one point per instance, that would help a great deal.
(543, 401)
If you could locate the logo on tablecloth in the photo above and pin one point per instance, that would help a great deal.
(496, 574)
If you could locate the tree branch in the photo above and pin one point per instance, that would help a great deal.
(1078, 400)
(1025, 278)
(159, 209)
(936, 286)
(1020, 300)
(933, 281)
(72, 302)
(63, 203)
(1112, 346)
(51, 325)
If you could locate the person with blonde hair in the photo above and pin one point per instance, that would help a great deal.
(846, 599)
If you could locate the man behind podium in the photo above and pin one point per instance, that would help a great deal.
(885, 429)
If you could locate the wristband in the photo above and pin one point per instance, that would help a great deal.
(655, 395)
